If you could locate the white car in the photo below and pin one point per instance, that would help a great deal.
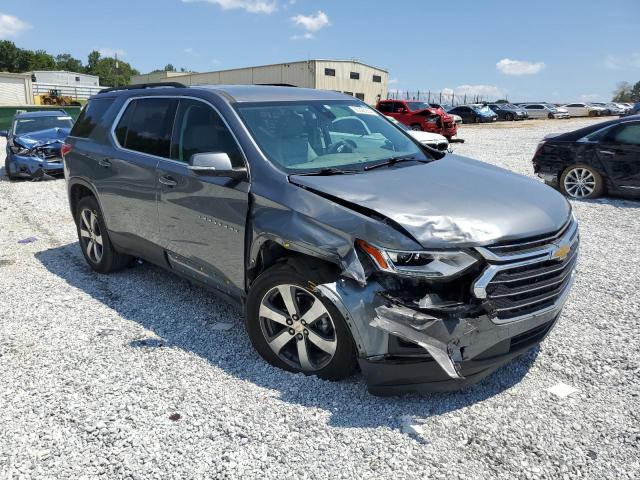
(543, 110)
(430, 139)
(583, 110)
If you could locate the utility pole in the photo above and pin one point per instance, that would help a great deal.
(117, 66)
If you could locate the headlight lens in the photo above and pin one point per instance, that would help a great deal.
(431, 264)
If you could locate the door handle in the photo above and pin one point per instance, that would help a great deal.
(168, 181)
(607, 152)
(105, 162)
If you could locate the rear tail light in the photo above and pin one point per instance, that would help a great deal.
(66, 148)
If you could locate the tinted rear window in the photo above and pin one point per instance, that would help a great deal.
(90, 117)
(146, 126)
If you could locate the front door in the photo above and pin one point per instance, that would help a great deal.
(202, 217)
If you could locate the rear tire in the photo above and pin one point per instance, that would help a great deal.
(509, 117)
(286, 334)
(94, 239)
(417, 127)
(581, 182)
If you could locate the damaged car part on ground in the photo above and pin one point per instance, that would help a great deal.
(34, 144)
(346, 245)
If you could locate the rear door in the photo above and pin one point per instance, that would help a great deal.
(128, 188)
(619, 152)
(202, 217)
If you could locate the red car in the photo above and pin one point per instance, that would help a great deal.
(419, 116)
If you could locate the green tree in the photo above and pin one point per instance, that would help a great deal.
(42, 60)
(113, 73)
(169, 68)
(635, 92)
(92, 62)
(64, 61)
(622, 92)
(8, 56)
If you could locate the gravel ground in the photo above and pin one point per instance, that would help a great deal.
(140, 375)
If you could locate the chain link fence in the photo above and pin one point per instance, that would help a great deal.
(441, 98)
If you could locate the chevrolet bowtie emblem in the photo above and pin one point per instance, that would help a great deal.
(561, 252)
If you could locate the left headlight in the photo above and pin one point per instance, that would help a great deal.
(427, 263)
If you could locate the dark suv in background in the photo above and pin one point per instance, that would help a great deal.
(345, 248)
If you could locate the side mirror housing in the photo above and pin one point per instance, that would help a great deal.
(216, 164)
(4, 133)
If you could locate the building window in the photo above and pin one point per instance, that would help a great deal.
(377, 79)
(77, 79)
(360, 96)
(330, 72)
(354, 76)
(349, 93)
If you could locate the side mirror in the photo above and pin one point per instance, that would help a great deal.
(216, 164)
(4, 133)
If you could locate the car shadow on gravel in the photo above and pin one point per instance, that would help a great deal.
(192, 319)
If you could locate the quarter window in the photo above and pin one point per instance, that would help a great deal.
(385, 107)
(199, 129)
(90, 116)
(146, 126)
(330, 72)
(627, 134)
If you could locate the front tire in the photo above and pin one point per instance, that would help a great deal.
(293, 327)
(509, 117)
(581, 182)
(94, 238)
(417, 127)
(7, 169)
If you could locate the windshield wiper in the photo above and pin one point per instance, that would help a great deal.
(328, 171)
(393, 161)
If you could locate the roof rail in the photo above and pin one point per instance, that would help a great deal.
(140, 86)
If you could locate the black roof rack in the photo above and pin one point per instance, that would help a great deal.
(143, 85)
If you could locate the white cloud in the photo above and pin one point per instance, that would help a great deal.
(251, 6)
(519, 67)
(485, 91)
(192, 52)
(622, 62)
(310, 23)
(590, 97)
(393, 81)
(110, 52)
(11, 26)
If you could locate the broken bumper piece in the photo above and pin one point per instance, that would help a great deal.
(459, 353)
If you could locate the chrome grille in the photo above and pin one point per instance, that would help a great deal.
(531, 275)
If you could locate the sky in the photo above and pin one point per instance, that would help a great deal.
(537, 50)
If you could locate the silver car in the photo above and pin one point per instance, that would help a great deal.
(543, 110)
(345, 242)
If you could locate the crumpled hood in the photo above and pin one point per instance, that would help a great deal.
(42, 137)
(452, 201)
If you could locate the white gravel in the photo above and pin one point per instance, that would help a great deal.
(139, 375)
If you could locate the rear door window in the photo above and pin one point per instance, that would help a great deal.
(628, 134)
(90, 117)
(146, 126)
(200, 129)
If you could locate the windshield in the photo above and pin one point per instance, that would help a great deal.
(34, 124)
(415, 106)
(309, 136)
(483, 110)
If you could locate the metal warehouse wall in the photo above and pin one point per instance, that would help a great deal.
(299, 74)
(15, 89)
(66, 78)
(343, 83)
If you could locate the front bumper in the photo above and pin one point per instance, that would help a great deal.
(34, 166)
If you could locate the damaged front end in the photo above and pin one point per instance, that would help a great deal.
(448, 319)
(37, 160)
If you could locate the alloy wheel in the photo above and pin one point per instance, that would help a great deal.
(91, 235)
(298, 327)
(579, 182)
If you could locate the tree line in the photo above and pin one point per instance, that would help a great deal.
(625, 92)
(111, 72)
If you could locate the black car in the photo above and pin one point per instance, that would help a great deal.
(474, 113)
(509, 112)
(591, 161)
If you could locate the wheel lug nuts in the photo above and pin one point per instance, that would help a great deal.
(306, 332)
(295, 317)
(303, 322)
(299, 336)
(292, 331)
(289, 321)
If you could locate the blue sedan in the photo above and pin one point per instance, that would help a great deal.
(34, 142)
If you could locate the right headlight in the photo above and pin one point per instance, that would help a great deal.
(424, 263)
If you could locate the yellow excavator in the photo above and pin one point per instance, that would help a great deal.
(53, 97)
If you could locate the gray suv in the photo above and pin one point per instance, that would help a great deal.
(346, 249)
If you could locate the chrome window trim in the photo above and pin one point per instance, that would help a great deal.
(117, 145)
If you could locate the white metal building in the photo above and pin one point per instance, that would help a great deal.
(73, 84)
(352, 77)
(15, 89)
